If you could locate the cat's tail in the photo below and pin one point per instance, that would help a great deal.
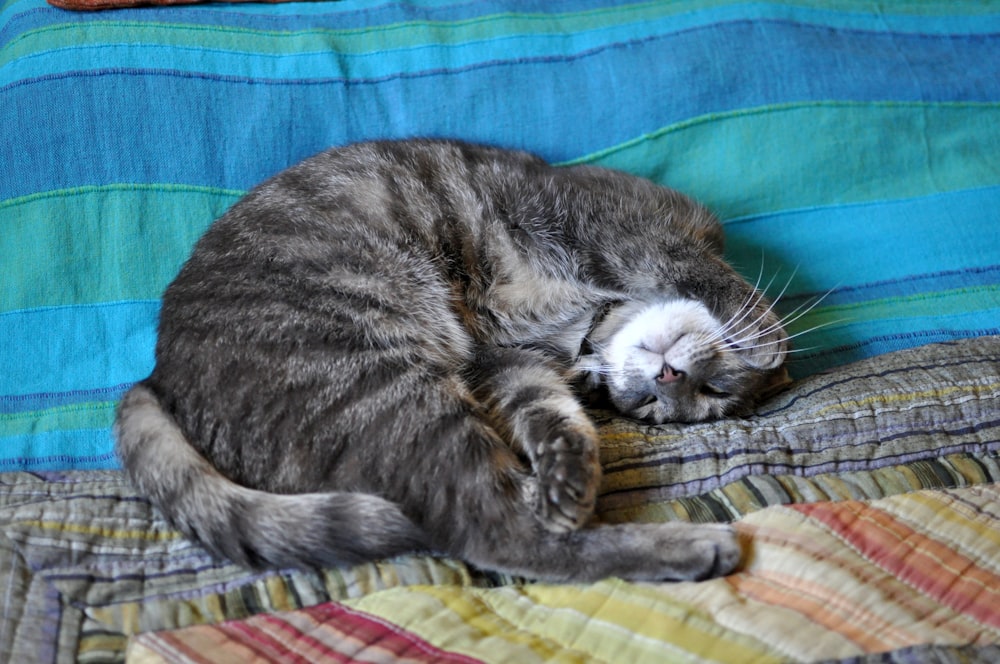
(250, 527)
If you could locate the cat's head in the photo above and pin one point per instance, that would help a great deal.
(672, 360)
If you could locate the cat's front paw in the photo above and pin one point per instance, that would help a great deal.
(569, 473)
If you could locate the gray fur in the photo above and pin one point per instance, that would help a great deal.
(372, 353)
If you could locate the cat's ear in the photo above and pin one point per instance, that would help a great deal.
(776, 382)
(766, 356)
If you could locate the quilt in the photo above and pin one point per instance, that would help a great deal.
(851, 149)
(824, 580)
(867, 499)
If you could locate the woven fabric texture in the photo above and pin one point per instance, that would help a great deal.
(852, 151)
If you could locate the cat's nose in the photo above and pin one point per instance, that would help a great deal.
(669, 374)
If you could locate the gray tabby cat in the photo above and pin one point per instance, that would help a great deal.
(372, 353)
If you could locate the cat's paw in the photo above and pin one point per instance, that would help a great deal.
(693, 552)
(568, 472)
(718, 553)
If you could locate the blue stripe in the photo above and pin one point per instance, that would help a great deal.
(312, 60)
(849, 343)
(342, 15)
(518, 103)
(319, 36)
(59, 450)
(745, 55)
(26, 15)
(971, 277)
(872, 244)
(66, 349)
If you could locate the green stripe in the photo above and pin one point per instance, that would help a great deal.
(961, 469)
(119, 242)
(935, 304)
(371, 39)
(804, 155)
(94, 415)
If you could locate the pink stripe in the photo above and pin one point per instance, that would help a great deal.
(275, 639)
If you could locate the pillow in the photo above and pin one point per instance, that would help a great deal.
(920, 418)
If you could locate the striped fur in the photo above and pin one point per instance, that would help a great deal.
(372, 353)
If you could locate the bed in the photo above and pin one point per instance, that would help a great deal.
(852, 151)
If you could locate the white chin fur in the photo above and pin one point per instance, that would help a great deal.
(664, 332)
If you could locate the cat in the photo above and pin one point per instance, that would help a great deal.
(381, 350)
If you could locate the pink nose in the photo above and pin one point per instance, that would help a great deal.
(669, 374)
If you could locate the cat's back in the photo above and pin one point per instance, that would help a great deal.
(383, 217)
(325, 291)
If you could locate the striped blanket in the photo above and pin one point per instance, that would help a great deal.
(868, 499)
(819, 586)
(851, 149)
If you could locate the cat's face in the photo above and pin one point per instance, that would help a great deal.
(673, 361)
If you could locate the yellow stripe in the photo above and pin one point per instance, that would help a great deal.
(111, 533)
(795, 569)
(629, 622)
(456, 619)
(940, 516)
(937, 393)
(278, 595)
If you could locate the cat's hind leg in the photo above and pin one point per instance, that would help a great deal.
(532, 408)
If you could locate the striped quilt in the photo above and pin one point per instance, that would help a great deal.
(819, 585)
(851, 149)
(868, 500)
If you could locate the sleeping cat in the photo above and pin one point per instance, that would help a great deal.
(375, 353)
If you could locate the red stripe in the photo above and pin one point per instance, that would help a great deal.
(928, 565)
(389, 636)
(248, 633)
(273, 638)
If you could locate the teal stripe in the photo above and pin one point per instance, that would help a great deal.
(518, 102)
(81, 347)
(370, 52)
(898, 9)
(69, 417)
(802, 155)
(101, 244)
(127, 241)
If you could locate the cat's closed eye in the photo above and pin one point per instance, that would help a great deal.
(709, 390)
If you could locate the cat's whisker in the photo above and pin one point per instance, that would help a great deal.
(747, 308)
(793, 336)
(794, 315)
(601, 370)
(605, 371)
(788, 351)
(797, 313)
(781, 324)
(768, 310)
